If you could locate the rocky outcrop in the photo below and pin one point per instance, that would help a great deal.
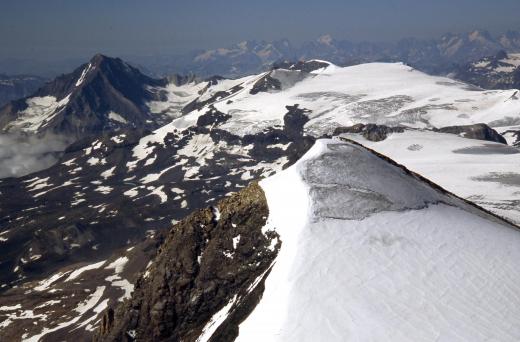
(197, 104)
(305, 66)
(212, 117)
(217, 257)
(370, 132)
(373, 132)
(265, 84)
(477, 131)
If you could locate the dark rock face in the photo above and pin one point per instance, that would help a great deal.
(212, 117)
(197, 104)
(305, 66)
(374, 132)
(265, 84)
(294, 120)
(370, 132)
(213, 80)
(477, 131)
(208, 260)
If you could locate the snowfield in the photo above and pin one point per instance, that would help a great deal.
(483, 172)
(381, 93)
(381, 256)
(39, 112)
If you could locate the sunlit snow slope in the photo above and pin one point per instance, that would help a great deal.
(372, 253)
(483, 172)
(381, 93)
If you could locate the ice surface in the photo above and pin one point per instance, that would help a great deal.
(467, 167)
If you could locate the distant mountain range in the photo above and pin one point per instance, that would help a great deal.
(15, 87)
(436, 56)
(500, 71)
(108, 94)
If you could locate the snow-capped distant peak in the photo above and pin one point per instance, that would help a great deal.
(478, 36)
(325, 39)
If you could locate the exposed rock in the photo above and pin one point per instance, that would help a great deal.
(305, 66)
(212, 117)
(197, 104)
(477, 131)
(371, 132)
(213, 80)
(294, 121)
(265, 84)
(214, 257)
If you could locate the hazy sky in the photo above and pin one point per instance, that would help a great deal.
(72, 28)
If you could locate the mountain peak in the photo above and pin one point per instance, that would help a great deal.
(103, 60)
(325, 39)
(98, 57)
(102, 95)
(480, 35)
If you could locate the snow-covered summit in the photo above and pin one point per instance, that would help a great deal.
(381, 93)
(370, 253)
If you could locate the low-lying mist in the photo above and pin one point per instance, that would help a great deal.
(21, 155)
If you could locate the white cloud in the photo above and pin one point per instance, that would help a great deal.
(21, 155)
